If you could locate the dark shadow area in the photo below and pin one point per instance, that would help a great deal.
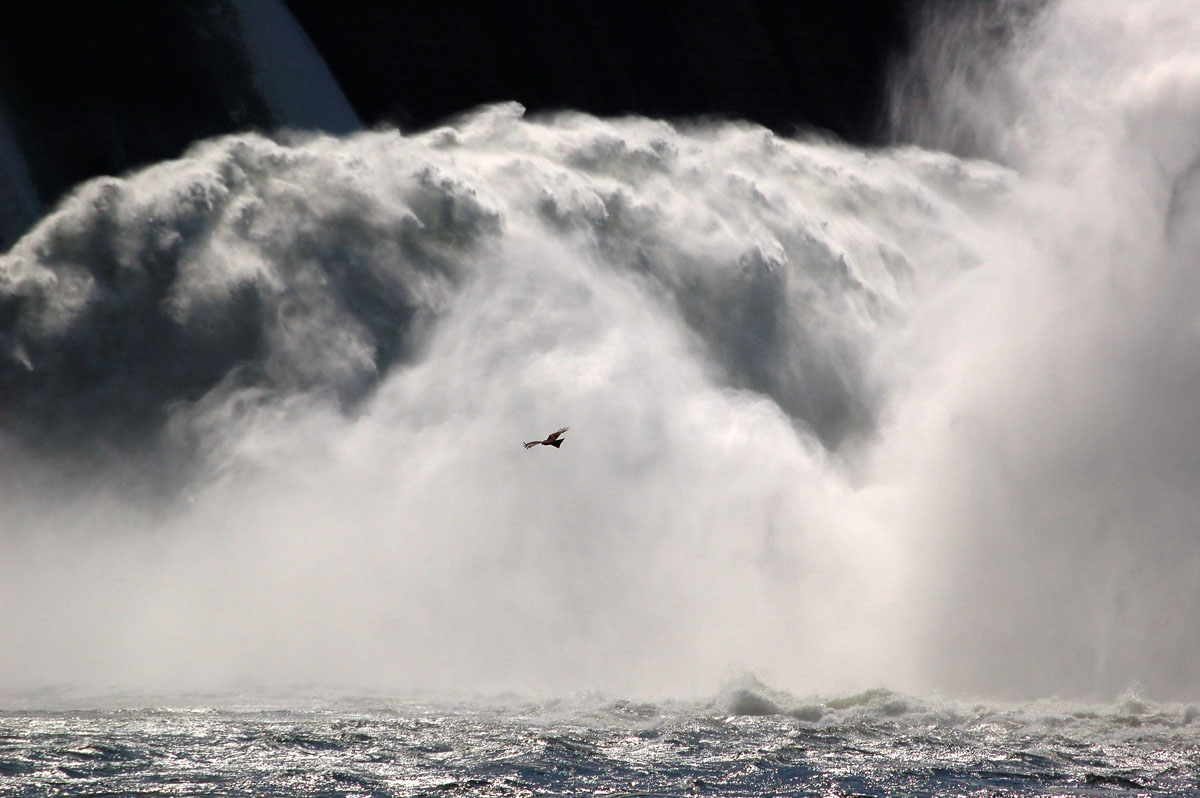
(782, 63)
(97, 89)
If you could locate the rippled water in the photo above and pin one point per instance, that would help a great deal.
(747, 742)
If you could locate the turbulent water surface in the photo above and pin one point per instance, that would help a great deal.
(749, 742)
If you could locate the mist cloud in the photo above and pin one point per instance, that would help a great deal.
(840, 418)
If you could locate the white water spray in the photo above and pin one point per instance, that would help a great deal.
(839, 418)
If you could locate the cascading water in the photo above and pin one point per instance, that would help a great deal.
(840, 418)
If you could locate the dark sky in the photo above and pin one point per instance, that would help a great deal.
(99, 88)
(784, 63)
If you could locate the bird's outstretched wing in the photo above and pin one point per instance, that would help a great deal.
(551, 440)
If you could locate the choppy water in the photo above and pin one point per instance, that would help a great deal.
(749, 741)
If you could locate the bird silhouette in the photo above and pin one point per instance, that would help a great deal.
(552, 439)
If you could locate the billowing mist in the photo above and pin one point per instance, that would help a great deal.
(921, 417)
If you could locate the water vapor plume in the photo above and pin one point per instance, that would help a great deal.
(325, 354)
(1059, 415)
(920, 417)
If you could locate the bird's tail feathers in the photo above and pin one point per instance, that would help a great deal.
(556, 444)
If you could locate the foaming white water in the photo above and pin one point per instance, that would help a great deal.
(1061, 426)
(840, 418)
(362, 508)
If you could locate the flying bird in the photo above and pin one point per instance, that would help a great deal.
(552, 439)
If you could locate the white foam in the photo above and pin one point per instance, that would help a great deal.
(839, 418)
